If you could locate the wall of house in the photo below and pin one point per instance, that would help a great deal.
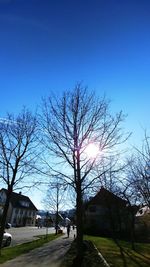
(9, 213)
(23, 217)
(142, 227)
(105, 220)
(18, 216)
(96, 219)
(2, 203)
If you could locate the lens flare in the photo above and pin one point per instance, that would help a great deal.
(92, 150)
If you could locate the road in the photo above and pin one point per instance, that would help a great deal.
(25, 234)
(50, 254)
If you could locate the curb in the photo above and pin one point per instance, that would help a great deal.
(102, 258)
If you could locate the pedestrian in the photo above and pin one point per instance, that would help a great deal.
(68, 229)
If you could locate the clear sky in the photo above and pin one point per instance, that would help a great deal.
(52, 44)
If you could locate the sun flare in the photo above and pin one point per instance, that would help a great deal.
(92, 150)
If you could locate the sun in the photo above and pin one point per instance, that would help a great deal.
(92, 150)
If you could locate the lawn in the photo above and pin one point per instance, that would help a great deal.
(12, 252)
(116, 255)
(122, 255)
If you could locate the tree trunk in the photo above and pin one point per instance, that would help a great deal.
(56, 223)
(4, 216)
(132, 230)
(79, 213)
(57, 215)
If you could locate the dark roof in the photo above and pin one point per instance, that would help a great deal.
(105, 197)
(18, 201)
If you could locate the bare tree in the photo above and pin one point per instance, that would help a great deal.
(139, 172)
(128, 193)
(17, 154)
(55, 199)
(72, 123)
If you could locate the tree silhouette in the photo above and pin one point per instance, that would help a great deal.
(71, 123)
(18, 144)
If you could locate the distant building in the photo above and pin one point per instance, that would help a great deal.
(69, 216)
(44, 216)
(21, 211)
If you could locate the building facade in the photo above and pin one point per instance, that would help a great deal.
(106, 214)
(21, 211)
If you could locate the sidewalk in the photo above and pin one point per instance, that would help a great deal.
(49, 255)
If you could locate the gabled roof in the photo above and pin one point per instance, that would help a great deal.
(105, 197)
(20, 201)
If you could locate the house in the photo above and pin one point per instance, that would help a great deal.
(142, 223)
(106, 214)
(144, 210)
(44, 217)
(21, 211)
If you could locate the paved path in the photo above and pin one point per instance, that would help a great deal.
(49, 255)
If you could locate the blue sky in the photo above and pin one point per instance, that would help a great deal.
(52, 44)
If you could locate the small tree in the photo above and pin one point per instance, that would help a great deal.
(55, 199)
(17, 154)
(73, 123)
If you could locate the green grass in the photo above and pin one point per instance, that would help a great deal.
(116, 255)
(122, 255)
(12, 252)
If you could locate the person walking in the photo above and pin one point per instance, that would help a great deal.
(68, 230)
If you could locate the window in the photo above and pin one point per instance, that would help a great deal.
(24, 203)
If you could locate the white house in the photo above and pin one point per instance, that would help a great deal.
(21, 211)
